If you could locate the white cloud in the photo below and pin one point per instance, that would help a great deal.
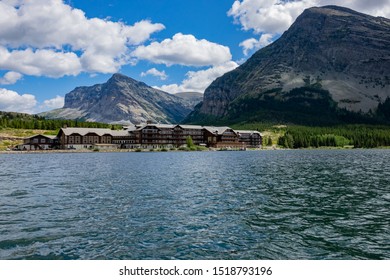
(51, 23)
(268, 16)
(254, 44)
(276, 16)
(40, 62)
(156, 73)
(198, 81)
(51, 28)
(54, 103)
(11, 101)
(10, 78)
(272, 17)
(184, 50)
(375, 8)
(141, 31)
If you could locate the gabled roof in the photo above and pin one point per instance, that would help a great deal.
(164, 125)
(84, 131)
(46, 136)
(51, 136)
(130, 127)
(188, 126)
(219, 130)
(118, 133)
(157, 125)
(248, 132)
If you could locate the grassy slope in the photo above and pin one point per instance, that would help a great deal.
(10, 137)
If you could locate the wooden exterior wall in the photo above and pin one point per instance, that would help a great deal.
(159, 136)
(251, 140)
(39, 142)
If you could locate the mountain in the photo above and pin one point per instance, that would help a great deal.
(193, 97)
(122, 100)
(332, 65)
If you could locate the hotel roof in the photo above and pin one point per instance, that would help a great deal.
(117, 133)
(84, 131)
(47, 136)
(158, 125)
(219, 130)
(247, 132)
(216, 129)
(189, 126)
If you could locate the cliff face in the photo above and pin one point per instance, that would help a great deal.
(122, 99)
(330, 54)
(193, 97)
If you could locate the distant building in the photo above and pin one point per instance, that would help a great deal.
(39, 142)
(147, 136)
(84, 138)
(249, 138)
(221, 137)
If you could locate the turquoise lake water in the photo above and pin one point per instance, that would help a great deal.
(298, 204)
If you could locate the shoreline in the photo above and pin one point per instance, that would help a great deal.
(177, 150)
(112, 151)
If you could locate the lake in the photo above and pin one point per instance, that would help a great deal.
(285, 204)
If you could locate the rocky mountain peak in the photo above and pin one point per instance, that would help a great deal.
(124, 100)
(344, 53)
(123, 80)
(333, 10)
(118, 77)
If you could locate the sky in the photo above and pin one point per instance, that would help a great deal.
(49, 47)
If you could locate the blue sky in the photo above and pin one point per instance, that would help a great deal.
(49, 47)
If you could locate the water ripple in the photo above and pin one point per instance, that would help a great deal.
(217, 205)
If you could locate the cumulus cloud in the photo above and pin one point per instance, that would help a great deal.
(254, 44)
(272, 17)
(39, 23)
(10, 78)
(11, 101)
(56, 32)
(268, 16)
(276, 16)
(54, 103)
(198, 81)
(141, 31)
(184, 50)
(44, 62)
(156, 73)
(375, 8)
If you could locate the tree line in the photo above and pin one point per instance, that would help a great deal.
(358, 136)
(25, 121)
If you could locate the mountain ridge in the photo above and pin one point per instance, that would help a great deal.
(121, 100)
(332, 53)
